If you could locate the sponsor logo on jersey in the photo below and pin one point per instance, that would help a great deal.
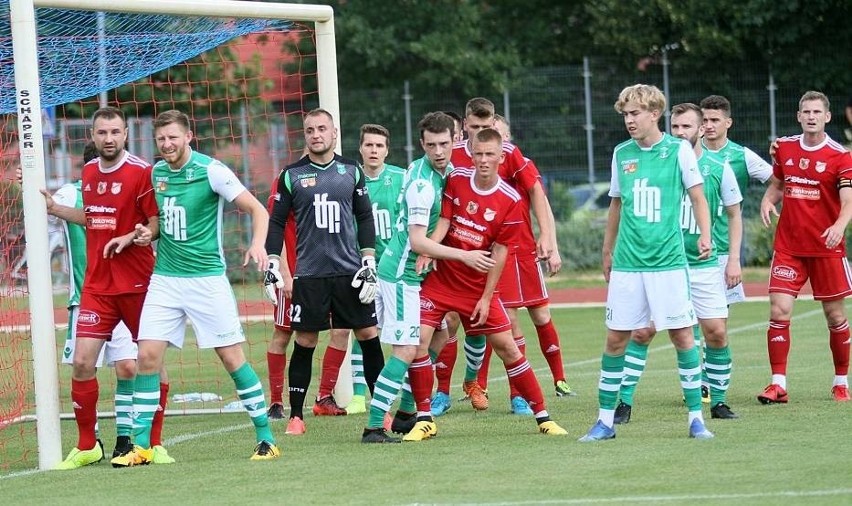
(101, 223)
(467, 236)
(102, 187)
(472, 207)
(820, 167)
(362, 191)
(426, 303)
(469, 223)
(803, 163)
(801, 180)
(308, 182)
(88, 318)
(161, 186)
(100, 209)
(784, 272)
(797, 192)
(116, 188)
(629, 166)
(489, 214)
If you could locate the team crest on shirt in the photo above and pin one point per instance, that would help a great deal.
(102, 187)
(388, 181)
(341, 169)
(819, 167)
(190, 174)
(803, 163)
(489, 214)
(664, 152)
(472, 207)
(629, 166)
(116, 188)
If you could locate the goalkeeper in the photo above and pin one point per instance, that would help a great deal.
(334, 284)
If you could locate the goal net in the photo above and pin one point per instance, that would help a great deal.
(244, 82)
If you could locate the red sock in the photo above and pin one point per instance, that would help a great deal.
(331, 362)
(276, 364)
(522, 346)
(482, 375)
(548, 339)
(157, 424)
(778, 344)
(422, 379)
(523, 380)
(839, 343)
(84, 394)
(445, 364)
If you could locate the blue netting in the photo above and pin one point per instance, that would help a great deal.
(72, 55)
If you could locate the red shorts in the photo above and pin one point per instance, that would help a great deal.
(435, 303)
(522, 283)
(282, 312)
(100, 314)
(830, 276)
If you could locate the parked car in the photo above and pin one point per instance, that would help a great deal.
(591, 200)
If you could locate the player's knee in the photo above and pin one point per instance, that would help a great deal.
(540, 315)
(643, 336)
(125, 369)
(82, 369)
(505, 347)
(280, 340)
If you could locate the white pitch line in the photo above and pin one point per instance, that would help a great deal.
(662, 498)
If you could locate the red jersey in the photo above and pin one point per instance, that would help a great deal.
(289, 228)
(518, 171)
(478, 219)
(811, 200)
(114, 202)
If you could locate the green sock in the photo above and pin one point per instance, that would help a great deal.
(635, 357)
(124, 407)
(250, 392)
(359, 384)
(717, 365)
(386, 389)
(612, 367)
(689, 369)
(406, 399)
(474, 350)
(146, 399)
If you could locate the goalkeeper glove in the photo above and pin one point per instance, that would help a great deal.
(366, 279)
(272, 279)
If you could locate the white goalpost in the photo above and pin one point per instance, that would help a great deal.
(32, 157)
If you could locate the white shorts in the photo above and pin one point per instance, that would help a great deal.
(735, 294)
(708, 293)
(207, 301)
(634, 299)
(120, 347)
(400, 318)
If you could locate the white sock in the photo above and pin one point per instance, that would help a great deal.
(607, 416)
(693, 415)
(780, 380)
(840, 380)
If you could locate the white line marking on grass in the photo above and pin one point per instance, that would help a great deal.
(661, 498)
(189, 437)
(667, 346)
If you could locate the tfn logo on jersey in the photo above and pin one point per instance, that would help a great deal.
(174, 219)
(382, 222)
(327, 213)
(646, 201)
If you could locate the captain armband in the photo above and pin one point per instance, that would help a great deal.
(844, 182)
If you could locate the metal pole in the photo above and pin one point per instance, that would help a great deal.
(409, 148)
(506, 107)
(666, 113)
(244, 147)
(102, 96)
(773, 132)
(589, 126)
